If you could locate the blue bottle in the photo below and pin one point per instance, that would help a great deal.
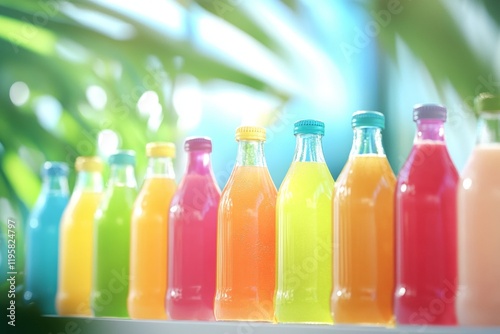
(42, 238)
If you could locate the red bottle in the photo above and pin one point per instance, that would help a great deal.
(426, 236)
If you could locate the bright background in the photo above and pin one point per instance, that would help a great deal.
(89, 77)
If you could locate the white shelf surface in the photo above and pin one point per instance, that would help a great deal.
(126, 326)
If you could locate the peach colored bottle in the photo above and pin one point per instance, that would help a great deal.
(478, 299)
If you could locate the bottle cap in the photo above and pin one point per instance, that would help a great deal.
(309, 126)
(160, 149)
(251, 133)
(429, 111)
(55, 168)
(198, 144)
(487, 102)
(89, 164)
(124, 157)
(364, 118)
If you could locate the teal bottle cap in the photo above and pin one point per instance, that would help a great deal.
(55, 168)
(367, 118)
(309, 126)
(487, 102)
(125, 157)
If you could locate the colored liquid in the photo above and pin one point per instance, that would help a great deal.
(426, 267)
(75, 258)
(193, 245)
(148, 256)
(111, 253)
(478, 300)
(246, 246)
(363, 266)
(304, 243)
(42, 252)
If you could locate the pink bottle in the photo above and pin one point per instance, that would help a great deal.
(426, 226)
(193, 238)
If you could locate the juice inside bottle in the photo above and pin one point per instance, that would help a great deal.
(304, 232)
(426, 238)
(149, 227)
(193, 238)
(363, 266)
(77, 224)
(112, 239)
(42, 238)
(478, 298)
(246, 235)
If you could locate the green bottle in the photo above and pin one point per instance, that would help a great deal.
(112, 239)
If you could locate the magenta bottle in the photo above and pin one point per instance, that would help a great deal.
(193, 238)
(426, 226)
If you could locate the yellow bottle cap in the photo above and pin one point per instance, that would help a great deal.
(251, 133)
(89, 164)
(160, 149)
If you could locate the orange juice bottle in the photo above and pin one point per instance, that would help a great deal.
(246, 235)
(148, 239)
(75, 241)
(363, 229)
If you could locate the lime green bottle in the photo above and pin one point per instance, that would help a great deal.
(112, 239)
(304, 232)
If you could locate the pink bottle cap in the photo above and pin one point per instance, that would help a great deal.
(198, 144)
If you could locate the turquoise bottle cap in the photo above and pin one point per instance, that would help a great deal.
(309, 126)
(429, 111)
(55, 168)
(368, 118)
(487, 102)
(125, 157)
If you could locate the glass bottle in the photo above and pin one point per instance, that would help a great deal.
(193, 237)
(426, 236)
(363, 225)
(112, 239)
(246, 235)
(478, 298)
(149, 230)
(76, 233)
(42, 238)
(304, 232)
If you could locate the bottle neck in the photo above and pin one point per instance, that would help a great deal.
(367, 140)
(122, 176)
(488, 128)
(162, 167)
(251, 153)
(199, 162)
(89, 181)
(430, 129)
(308, 148)
(57, 185)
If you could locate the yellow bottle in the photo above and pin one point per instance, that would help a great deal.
(75, 243)
(148, 239)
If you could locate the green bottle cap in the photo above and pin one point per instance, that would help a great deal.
(364, 118)
(487, 102)
(309, 126)
(125, 157)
